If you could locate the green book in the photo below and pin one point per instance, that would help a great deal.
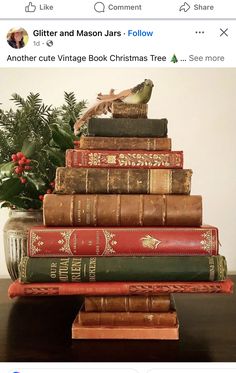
(127, 127)
(92, 269)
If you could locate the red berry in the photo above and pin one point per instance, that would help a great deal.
(41, 197)
(18, 170)
(14, 157)
(49, 191)
(52, 184)
(21, 162)
(23, 180)
(28, 167)
(19, 155)
(28, 161)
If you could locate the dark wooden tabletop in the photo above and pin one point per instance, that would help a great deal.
(39, 330)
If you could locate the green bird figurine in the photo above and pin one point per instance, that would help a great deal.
(140, 94)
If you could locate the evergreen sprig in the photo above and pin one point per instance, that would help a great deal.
(41, 133)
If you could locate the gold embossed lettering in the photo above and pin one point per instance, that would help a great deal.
(53, 270)
(92, 269)
(76, 270)
(64, 270)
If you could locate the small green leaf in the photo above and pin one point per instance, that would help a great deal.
(9, 188)
(62, 138)
(37, 182)
(6, 169)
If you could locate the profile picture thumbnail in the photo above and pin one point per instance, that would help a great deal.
(17, 37)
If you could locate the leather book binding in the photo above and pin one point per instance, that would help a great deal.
(127, 127)
(122, 181)
(146, 268)
(127, 318)
(124, 143)
(124, 159)
(122, 210)
(130, 241)
(133, 303)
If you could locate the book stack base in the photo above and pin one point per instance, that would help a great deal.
(134, 332)
(127, 317)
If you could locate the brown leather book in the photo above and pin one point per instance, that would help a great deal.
(136, 303)
(127, 318)
(118, 181)
(122, 210)
(121, 110)
(124, 143)
(124, 332)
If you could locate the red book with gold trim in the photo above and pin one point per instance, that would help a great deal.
(124, 158)
(110, 241)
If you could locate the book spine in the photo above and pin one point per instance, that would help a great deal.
(134, 303)
(122, 110)
(127, 127)
(44, 241)
(17, 289)
(124, 159)
(122, 181)
(127, 318)
(95, 269)
(122, 210)
(124, 143)
(122, 332)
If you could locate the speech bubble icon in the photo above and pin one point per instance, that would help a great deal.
(99, 7)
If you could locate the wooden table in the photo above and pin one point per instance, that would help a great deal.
(39, 330)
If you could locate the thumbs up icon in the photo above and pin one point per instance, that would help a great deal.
(30, 8)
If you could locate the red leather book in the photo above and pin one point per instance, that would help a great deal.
(17, 289)
(110, 241)
(124, 158)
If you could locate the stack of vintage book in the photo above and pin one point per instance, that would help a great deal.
(122, 223)
(131, 317)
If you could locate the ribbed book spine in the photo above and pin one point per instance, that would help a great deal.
(122, 181)
(92, 269)
(133, 303)
(58, 241)
(124, 159)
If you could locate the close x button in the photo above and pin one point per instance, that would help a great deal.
(224, 32)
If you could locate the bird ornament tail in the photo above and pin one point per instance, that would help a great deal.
(141, 93)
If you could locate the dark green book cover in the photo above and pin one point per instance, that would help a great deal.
(90, 269)
(127, 127)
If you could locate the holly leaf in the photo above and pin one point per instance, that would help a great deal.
(37, 183)
(10, 188)
(31, 188)
(6, 169)
(62, 138)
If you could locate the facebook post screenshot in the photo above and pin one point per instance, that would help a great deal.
(117, 186)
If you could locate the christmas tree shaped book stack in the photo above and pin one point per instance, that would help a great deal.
(123, 228)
